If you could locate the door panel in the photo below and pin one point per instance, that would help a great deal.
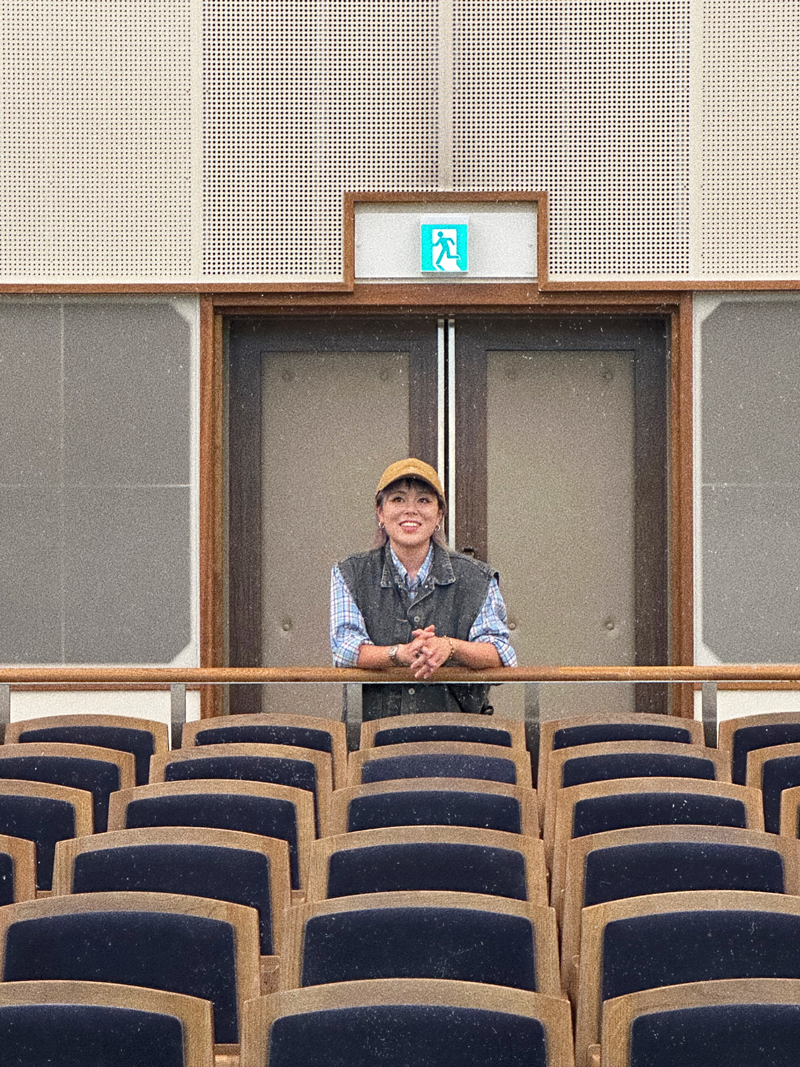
(331, 423)
(560, 475)
(318, 407)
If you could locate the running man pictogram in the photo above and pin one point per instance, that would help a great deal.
(445, 243)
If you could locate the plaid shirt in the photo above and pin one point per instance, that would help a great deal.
(349, 633)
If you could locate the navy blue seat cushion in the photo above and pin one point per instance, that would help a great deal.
(267, 816)
(748, 738)
(725, 1035)
(297, 773)
(234, 874)
(42, 821)
(139, 742)
(435, 808)
(6, 879)
(454, 943)
(478, 735)
(99, 778)
(672, 867)
(779, 774)
(703, 946)
(595, 815)
(158, 950)
(266, 734)
(635, 765)
(460, 868)
(485, 768)
(73, 1035)
(398, 1035)
(597, 732)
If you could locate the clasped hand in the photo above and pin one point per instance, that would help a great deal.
(426, 652)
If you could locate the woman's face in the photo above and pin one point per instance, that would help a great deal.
(409, 515)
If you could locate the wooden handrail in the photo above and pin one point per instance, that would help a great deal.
(784, 672)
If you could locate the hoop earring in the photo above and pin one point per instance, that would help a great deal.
(437, 527)
(381, 526)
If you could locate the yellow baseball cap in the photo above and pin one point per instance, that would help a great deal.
(411, 468)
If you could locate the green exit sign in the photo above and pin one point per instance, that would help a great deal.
(444, 244)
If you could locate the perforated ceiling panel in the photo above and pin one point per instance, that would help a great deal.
(751, 138)
(95, 139)
(588, 99)
(304, 99)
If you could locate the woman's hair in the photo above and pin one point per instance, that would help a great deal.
(421, 486)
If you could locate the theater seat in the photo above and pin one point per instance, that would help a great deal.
(666, 859)
(400, 1022)
(739, 737)
(275, 728)
(596, 728)
(219, 864)
(626, 759)
(772, 770)
(300, 768)
(252, 807)
(143, 738)
(747, 1020)
(440, 759)
(435, 802)
(100, 1024)
(445, 726)
(676, 938)
(181, 944)
(598, 807)
(458, 936)
(453, 858)
(44, 814)
(100, 771)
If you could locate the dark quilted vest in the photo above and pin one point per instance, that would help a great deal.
(450, 599)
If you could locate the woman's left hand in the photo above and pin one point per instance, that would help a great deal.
(435, 652)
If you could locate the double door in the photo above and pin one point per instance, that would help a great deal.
(550, 436)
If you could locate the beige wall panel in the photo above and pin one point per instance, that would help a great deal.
(96, 104)
(304, 100)
(561, 485)
(331, 424)
(750, 136)
(589, 100)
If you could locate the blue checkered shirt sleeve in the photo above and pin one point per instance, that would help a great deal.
(491, 625)
(349, 631)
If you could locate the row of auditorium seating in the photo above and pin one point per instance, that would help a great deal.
(350, 889)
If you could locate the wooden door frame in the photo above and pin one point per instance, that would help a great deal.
(443, 300)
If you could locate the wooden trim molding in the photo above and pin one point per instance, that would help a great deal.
(681, 524)
(149, 676)
(505, 197)
(256, 290)
(212, 633)
(347, 285)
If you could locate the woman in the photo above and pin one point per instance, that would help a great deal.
(409, 602)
